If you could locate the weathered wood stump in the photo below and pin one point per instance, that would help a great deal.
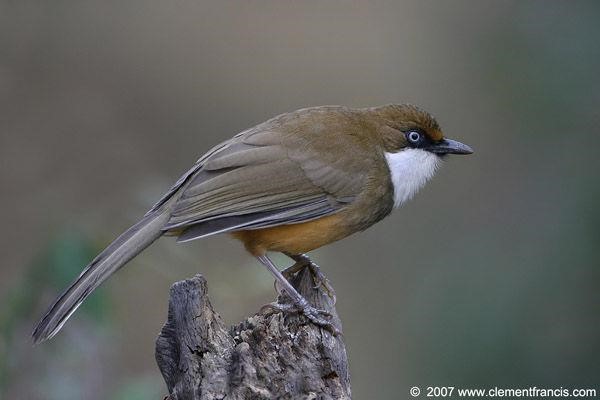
(270, 355)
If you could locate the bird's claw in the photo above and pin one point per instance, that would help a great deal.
(319, 278)
(321, 281)
(316, 316)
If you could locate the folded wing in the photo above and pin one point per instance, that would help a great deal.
(259, 180)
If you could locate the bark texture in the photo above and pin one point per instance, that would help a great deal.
(270, 355)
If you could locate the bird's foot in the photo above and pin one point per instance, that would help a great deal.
(318, 317)
(320, 280)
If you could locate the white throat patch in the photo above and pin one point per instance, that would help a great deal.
(410, 170)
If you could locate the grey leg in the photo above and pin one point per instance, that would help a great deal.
(303, 261)
(318, 317)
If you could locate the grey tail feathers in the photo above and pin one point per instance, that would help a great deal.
(117, 254)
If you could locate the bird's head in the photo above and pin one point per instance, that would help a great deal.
(413, 128)
(414, 145)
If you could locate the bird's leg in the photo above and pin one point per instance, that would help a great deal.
(303, 261)
(293, 269)
(316, 316)
(298, 266)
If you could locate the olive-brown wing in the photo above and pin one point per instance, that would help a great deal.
(261, 179)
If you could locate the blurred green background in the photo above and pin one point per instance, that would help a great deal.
(488, 278)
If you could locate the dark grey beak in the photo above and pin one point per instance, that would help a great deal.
(449, 146)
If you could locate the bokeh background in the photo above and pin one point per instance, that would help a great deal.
(489, 277)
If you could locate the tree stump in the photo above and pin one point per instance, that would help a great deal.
(270, 355)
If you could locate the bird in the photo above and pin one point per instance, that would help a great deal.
(292, 184)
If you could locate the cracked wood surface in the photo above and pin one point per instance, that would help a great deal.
(270, 355)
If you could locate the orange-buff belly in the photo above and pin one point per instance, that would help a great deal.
(294, 238)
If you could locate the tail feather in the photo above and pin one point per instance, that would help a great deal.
(117, 254)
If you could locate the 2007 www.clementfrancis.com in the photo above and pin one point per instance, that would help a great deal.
(503, 393)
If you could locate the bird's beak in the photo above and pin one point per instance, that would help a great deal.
(449, 146)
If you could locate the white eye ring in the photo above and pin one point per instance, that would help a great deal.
(414, 136)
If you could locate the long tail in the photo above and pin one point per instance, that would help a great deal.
(117, 254)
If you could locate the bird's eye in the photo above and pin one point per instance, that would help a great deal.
(414, 137)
